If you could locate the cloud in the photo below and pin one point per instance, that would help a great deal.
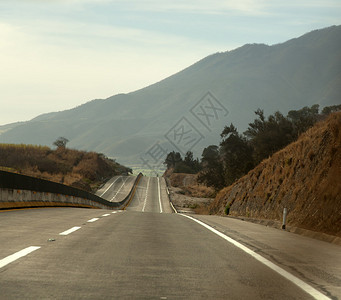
(200, 6)
(178, 6)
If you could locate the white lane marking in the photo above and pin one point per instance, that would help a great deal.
(145, 199)
(66, 232)
(105, 215)
(300, 283)
(173, 207)
(158, 187)
(110, 186)
(11, 258)
(93, 220)
(119, 189)
(114, 212)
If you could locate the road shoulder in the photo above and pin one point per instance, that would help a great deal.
(312, 260)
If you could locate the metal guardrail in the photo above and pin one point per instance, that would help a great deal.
(10, 182)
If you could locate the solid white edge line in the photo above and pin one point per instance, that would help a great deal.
(173, 207)
(66, 232)
(145, 199)
(159, 192)
(298, 282)
(171, 204)
(13, 257)
(110, 186)
(93, 220)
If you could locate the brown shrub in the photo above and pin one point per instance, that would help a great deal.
(68, 166)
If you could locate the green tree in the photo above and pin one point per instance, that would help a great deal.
(304, 118)
(173, 158)
(187, 165)
(236, 154)
(212, 173)
(61, 142)
(330, 109)
(267, 136)
(193, 164)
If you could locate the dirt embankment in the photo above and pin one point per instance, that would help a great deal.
(304, 177)
(187, 194)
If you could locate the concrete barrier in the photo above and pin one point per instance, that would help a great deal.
(20, 191)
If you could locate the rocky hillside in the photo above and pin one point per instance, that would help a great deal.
(304, 177)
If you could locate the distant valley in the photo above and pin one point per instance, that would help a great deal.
(188, 110)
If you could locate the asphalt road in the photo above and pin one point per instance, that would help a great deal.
(146, 253)
(117, 188)
(151, 196)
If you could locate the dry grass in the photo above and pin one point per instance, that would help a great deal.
(304, 177)
(188, 194)
(189, 185)
(71, 167)
(199, 191)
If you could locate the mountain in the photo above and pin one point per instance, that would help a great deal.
(187, 111)
(304, 177)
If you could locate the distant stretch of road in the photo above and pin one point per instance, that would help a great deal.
(117, 188)
(147, 252)
(151, 196)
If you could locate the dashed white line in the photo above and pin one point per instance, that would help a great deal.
(110, 186)
(119, 189)
(105, 215)
(66, 232)
(158, 188)
(145, 199)
(300, 283)
(93, 220)
(11, 258)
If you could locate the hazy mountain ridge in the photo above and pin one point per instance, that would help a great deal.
(300, 72)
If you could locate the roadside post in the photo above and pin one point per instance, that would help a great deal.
(285, 212)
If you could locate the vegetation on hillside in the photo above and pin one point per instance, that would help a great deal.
(240, 153)
(187, 165)
(85, 170)
(237, 153)
(304, 177)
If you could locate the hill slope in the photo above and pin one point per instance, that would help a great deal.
(84, 170)
(304, 177)
(297, 73)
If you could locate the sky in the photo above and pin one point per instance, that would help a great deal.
(58, 54)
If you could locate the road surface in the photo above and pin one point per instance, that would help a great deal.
(147, 252)
(151, 196)
(117, 188)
